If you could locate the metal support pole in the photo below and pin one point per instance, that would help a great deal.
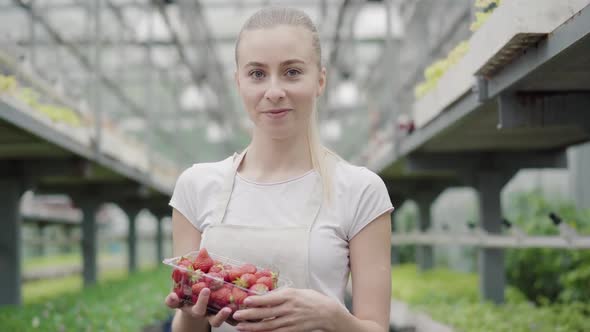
(41, 227)
(67, 233)
(424, 253)
(132, 239)
(159, 240)
(89, 241)
(492, 276)
(10, 241)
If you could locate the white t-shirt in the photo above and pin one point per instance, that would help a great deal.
(359, 196)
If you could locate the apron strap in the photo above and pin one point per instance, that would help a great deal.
(227, 186)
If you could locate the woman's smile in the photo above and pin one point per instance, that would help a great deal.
(278, 113)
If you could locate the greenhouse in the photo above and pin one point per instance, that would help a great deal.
(412, 165)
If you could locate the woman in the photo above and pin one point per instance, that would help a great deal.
(286, 199)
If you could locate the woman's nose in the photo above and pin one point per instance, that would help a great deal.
(275, 92)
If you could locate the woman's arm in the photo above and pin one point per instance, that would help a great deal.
(185, 238)
(370, 265)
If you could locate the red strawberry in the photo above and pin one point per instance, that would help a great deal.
(183, 292)
(235, 273)
(220, 268)
(215, 281)
(246, 280)
(238, 296)
(184, 262)
(248, 268)
(267, 273)
(271, 284)
(217, 267)
(192, 277)
(198, 287)
(179, 291)
(178, 275)
(259, 288)
(221, 297)
(203, 261)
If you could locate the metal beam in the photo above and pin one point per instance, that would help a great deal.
(197, 77)
(111, 85)
(544, 109)
(10, 240)
(39, 168)
(111, 192)
(482, 239)
(476, 161)
(111, 43)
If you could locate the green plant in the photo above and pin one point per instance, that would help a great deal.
(486, 7)
(543, 274)
(435, 71)
(452, 298)
(124, 304)
(56, 113)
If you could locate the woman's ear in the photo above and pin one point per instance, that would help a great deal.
(322, 82)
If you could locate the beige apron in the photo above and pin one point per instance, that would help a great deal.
(286, 247)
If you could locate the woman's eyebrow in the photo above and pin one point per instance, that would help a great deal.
(284, 63)
(292, 61)
(255, 64)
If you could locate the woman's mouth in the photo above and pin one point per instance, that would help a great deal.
(277, 113)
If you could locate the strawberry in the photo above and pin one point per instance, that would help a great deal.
(195, 277)
(267, 273)
(184, 262)
(198, 287)
(203, 261)
(217, 267)
(248, 268)
(220, 268)
(259, 288)
(271, 284)
(238, 296)
(215, 281)
(178, 291)
(246, 280)
(235, 273)
(178, 275)
(221, 297)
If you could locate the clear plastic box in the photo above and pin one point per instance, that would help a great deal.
(226, 289)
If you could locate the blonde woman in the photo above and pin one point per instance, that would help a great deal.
(286, 199)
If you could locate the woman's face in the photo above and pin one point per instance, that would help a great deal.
(278, 79)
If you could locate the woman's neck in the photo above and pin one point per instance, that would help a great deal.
(272, 160)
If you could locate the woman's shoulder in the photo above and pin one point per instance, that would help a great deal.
(206, 173)
(351, 175)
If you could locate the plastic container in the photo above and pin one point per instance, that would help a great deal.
(230, 281)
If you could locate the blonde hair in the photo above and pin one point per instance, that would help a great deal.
(321, 157)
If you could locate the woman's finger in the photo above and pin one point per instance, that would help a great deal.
(273, 298)
(200, 308)
(259, 313)
(172, 301)
(220, 317)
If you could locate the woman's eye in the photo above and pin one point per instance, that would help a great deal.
(256, 74)
(293, 72)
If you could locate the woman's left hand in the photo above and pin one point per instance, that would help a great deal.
(288, 310)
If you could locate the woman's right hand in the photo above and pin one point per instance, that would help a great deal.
(199, 309)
